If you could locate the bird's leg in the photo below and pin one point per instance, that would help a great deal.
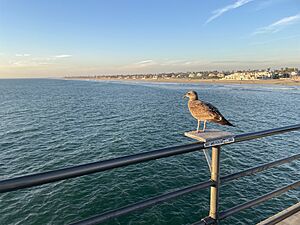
(199, 122)
(204, 126)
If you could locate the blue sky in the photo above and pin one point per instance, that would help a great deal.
(89, 37)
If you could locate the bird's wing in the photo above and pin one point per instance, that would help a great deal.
(213, 111)
(203, 110)
(219, 118)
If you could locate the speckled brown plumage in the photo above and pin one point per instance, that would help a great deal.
(204, 111)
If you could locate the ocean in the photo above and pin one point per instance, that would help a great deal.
(49, 124)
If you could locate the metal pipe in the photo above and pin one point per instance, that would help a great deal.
(259, 168)
(171, 195)
(251, 203)
(215, 178)
(80, 170)
(258, 200)
(142, 204)
(84, 169)
(265, 133)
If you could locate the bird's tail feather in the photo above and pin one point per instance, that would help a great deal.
(225, 122)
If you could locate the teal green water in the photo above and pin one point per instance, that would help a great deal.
(50, 124)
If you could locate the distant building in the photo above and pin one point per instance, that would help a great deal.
(220, 75)
(239, 76)
(294, 73)
(282, 73)
(263, 75)
(192, 75)
(249, 75)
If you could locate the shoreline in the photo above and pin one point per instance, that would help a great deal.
(284, 82)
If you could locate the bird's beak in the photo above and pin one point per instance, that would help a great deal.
(184, 96)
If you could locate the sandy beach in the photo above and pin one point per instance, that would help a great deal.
(287, 82)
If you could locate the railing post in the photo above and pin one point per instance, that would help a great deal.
(214, 190)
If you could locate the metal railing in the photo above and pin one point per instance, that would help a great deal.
(214, 183)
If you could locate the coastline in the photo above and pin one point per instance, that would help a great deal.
(284, 82)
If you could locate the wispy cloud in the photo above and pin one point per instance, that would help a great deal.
(63, 56)
(163, 62)
(27, 63)
(24, 60)
(148, 61)
(219, 12)
(22, 55)
(163, 65)
(278, 25)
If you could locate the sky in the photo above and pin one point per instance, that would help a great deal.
(96, 37)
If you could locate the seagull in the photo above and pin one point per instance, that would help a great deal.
(204, 111)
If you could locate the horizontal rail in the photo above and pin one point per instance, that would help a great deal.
(258, 200)
(265, 133)
(171, 195)
(250, 204)
(143, 204)
(85, 169)
(259, 168)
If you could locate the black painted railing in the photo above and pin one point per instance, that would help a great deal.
(214, 183)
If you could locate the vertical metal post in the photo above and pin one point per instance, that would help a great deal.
(215, 177)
